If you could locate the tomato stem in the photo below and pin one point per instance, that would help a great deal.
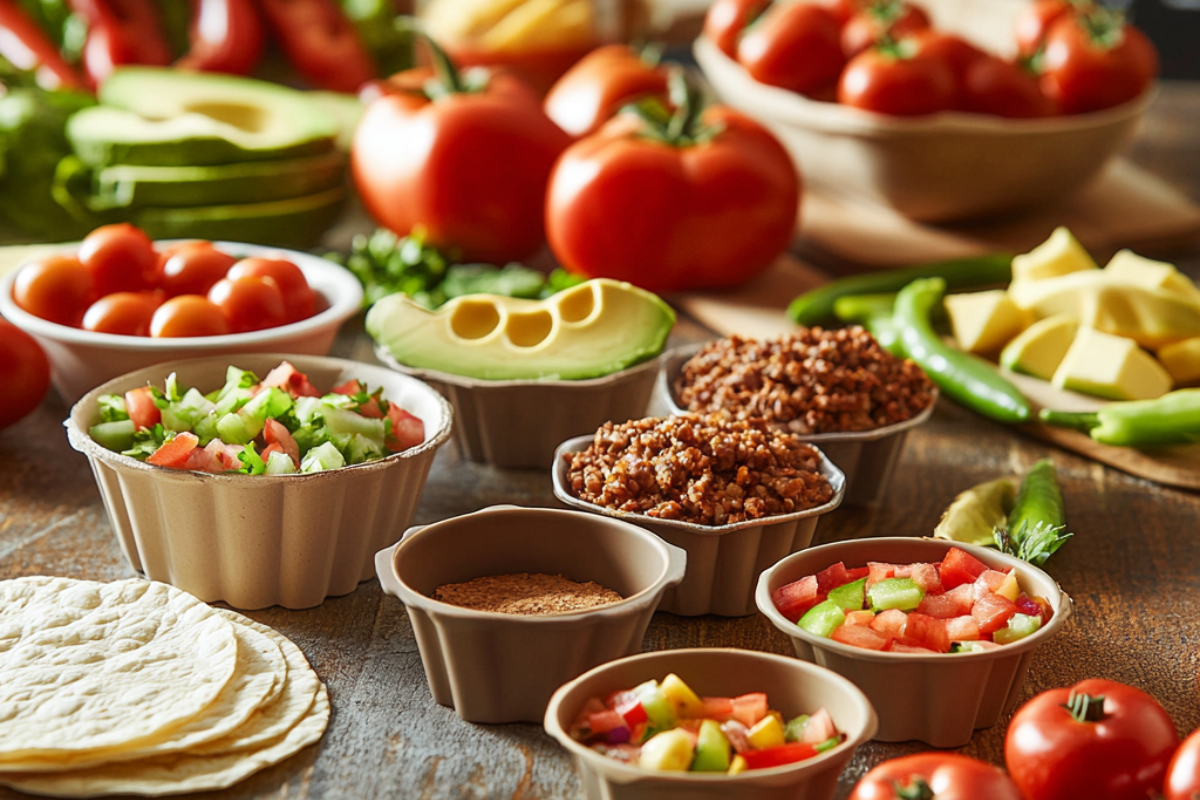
(1085, 707)
(917, 789)
(448, 78)
(680, 126)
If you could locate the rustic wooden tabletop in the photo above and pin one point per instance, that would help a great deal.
(1133, 570)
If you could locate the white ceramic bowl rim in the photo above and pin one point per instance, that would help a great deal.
(337, 285)
(637, 773)
(762, 595)
(386, 357)
(795, 108)
(837, 480)
(674, 560)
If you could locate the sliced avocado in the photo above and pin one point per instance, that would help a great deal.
(345, 109)
(977, 512)
(1111, 366)
(1040, 348)
(596, 328)
(163, 117)
(295, 223)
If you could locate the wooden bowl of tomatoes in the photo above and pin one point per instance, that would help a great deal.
(941, 109)
(118, 302)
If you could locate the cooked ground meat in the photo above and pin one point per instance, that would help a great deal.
(814, 381)
(710, 470)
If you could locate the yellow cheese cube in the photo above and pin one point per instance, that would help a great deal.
(1040, 348)
(1059, 255)
(767, 733)
(1009, 588)
(1128, 267)
(984, 321)
(1182, 360)
(1111, 366)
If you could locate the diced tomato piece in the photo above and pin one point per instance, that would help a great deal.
(174, 454)
(959, 567)
(819, 727)
(139, 404)
(856, 573)
(748, 709)
(1034, 607)
(993, 612)
(276, 433)
(226, 454)
(923, 630)
(926, 576)
(268, 450)
(831, 578)
(202, 460)
(605, 721)
(778, 756)
(899, 647)
(962, 629)
(863, 617)
(630, 708)
(407, 430)
(794, 598)
(988, 582)
(718, 708)
(877, 572)
(902, 571)
(954, 603)
(291, 380)
(351, 386)
(859, 636)
(890, 623)
(371, 409)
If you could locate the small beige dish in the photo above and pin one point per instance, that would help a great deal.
(793, 687)
(942, 698)
(868, 458)
(724, 561)
(494, 667)
(82, 359)
(254, 541)
(517, 424)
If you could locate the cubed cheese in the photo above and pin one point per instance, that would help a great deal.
(1111, 366)
(984, 321)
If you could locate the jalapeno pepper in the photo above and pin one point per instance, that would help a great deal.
(964, 378)
(875, 313)
(1173, 418)
(23, 45)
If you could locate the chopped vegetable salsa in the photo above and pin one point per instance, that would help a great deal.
(957, 605)
(665, 725)
(278, 425)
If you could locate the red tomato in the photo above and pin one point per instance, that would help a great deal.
(139, 405)
(407, 430)
(1183, 774)
(596, 88)
(124, 313)
(193, 268)
(778, 756)
(298, 297)
(249, 303)
(469, 167)
(226, 36)
(121, 259)
(948, 775)
(726, 19)
(892, 82)
(189, 315)
(1117, 746)
(276, 435)
(174, 454)
(24, 374)
(1096, 62)
(793, 599)
(957, 52)
(707, 215)
(1034, 19)
(884, 19)
(992, 85)
(794, 46)
(291, 380)
(55, 288)
(321, 42)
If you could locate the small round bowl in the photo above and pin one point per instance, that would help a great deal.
(936, 168)
(940, 698)
(793, 687)
(82, 359)
(254, 541)
(868, 458)
(494, 667)
(724, 561)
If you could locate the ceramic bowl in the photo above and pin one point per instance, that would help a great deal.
(868, 458)
(495, 667)
(793, 687)
(724, 561)
(82, 359)
(941, 698)
(262, 540)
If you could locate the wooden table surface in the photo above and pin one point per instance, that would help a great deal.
(1133, 570)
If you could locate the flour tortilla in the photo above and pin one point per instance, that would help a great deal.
(88, 666)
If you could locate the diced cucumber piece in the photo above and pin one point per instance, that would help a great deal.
(116, 435)
(112, 408)
(828, 744)
(269, 403)
(901, 593)
(1019, 626)
(206, 429)
(279, 464)
(359, 449)
(712, 748)
(187, 412)
(341, 421)
(823, 618)
(658, 707)
(967, 647)
(335, 400)
(231, 402)
(232, 430)
(794, 730)
(308, 409)
(852, 596)
(322, 457)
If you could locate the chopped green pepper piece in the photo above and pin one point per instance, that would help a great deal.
(823, 619)
(852, 596)
(901, 593)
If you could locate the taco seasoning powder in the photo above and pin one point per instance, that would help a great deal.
(526, 594)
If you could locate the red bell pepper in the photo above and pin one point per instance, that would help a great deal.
(321, 42)
(778, 756)
(121, 32)
(226, 36)
(26, 47)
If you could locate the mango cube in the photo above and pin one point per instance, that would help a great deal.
(1127, 266)
(685, 702)
(1061, 254)
(1040, 348)
(1111, 366)
(767, 733)
(1182, 361)
(669, 750)
(984, 321)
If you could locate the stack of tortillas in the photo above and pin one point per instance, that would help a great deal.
(136, 687)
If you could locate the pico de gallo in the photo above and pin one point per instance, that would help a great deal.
(664, 725)
(277, 425)
(957, 605)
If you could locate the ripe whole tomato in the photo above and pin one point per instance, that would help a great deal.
(468, 163)
(1034, 20)
(710, 209)
(992, 85)
(1098, 738)
(1183, 774)
(880, 20)
(795, 46)
(1095, 61)
(948, 776)
(726, 19)
(24, 373)
(897, 81)
(596, 88)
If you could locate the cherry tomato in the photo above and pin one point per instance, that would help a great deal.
(1097, 738)
(1096, 62)
(189, 315)
(992, 85)
(726, 19)
(794, 46)
(956, 51)
(24, 374)
(1183, 774)
(249, 303)
(121, 259)
(193, 268)
(596, 88)
(298, 297)
(1035, 19)
(55, 288)
(125, 313)
(881, 20)
(892, 82)
(949, 776)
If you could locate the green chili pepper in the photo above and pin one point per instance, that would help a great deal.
(964, 378)
(816, 306)
(1036, 526)
(873, 312)
(1173, 418)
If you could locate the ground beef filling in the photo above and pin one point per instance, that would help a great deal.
(709, 470)
(812, 381)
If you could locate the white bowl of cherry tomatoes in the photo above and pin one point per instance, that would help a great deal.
(941, 109)
(118, 302)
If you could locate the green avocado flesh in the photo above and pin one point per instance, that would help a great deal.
(596, 328)
(296, 223)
